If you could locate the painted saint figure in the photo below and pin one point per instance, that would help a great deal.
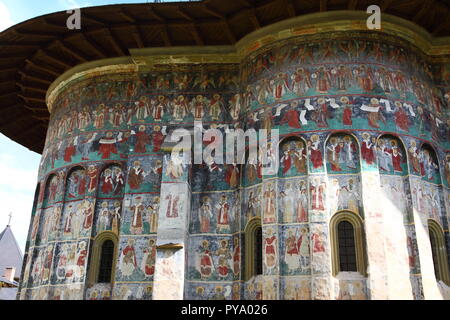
(206, 262)
(136, 176)
(205, 215)
(137, 215)
(270, 250)
(128, 263)
(223, 223)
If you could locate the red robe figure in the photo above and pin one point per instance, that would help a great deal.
(269, 244)
(365, 78)
(315, 153)
(222, 218)
(280, 86)
(206, 264)
(117, 115)
(142, 139)
(158, 110)
(172, 206)
(232, 175)
(347, 113)
(82, 184)
(291, 245)
(323, 83)
(317, 196)
(198, 106)
(107, 146)
(286, 161)
(291, 117)
(236, 257)
(52, 192)
(107, 185)
(367, 149)
(82, 253)
(401, 118)
(136, 176)
(158, 138)
(150, 256)
(396, 159)
(92, 174)
(129, 257)
(321, 114)
(70, 151)
(88, 215)
(222, 269)
(318, 243)
(136, 219)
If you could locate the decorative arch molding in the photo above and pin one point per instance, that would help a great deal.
(285, 148)
(436, 231)
(250, 243)
(94, 263)
(403, 151)
(338, 134)
(358, 229)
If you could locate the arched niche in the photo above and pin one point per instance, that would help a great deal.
(359, 247)
(50, 193)
(342, 154)
(429, 164)
(253, 249)
(76, 184)
(439, 251)
(96, 263)
(112, 181)
(391, 155)
(293, 157)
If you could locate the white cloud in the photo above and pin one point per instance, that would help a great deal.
(20, 205)
(5, 17)
(17, 187)
(15, 179)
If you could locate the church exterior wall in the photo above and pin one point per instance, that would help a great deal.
(333, 96)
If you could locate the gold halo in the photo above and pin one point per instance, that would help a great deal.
(344, 99)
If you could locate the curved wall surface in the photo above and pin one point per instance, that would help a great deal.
(362, 117)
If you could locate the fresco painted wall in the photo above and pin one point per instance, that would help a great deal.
(358, 113)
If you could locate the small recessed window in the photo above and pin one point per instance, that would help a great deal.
(347, 250)
(258, 251)
(347, 243)
(253, 249)
(438, 251)
(106, 262)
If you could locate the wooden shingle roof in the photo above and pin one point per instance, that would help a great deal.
(35, 52)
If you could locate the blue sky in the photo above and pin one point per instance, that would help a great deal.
(18, 165)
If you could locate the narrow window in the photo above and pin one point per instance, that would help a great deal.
(106, 262)
(434, 251)
(258, 251)
(347, 250)
(253, 265)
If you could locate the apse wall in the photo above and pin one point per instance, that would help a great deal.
(103, 171)
(359, 86)
(362, 119)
